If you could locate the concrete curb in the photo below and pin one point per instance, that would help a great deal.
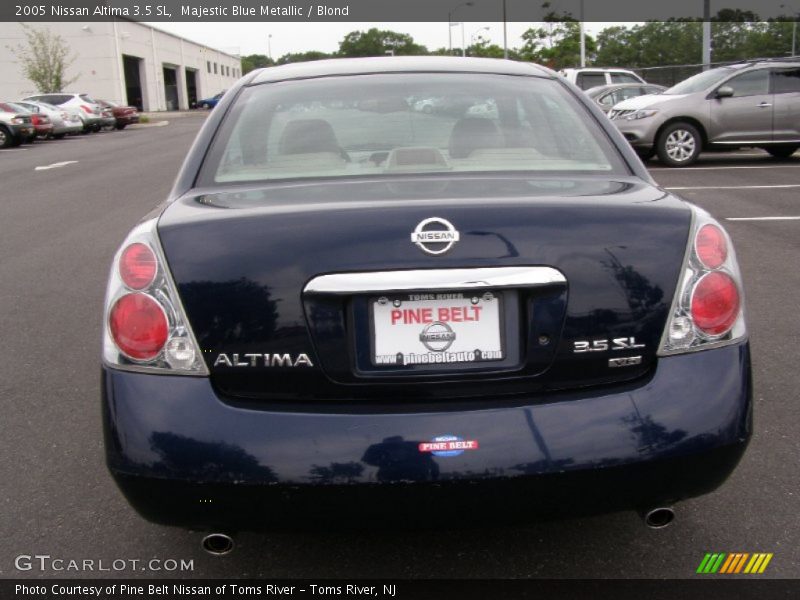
(147, 125)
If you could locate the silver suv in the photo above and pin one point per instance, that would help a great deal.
(754, 104)
(90, 112)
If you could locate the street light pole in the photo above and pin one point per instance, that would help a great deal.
(505, 32)
(450, 14)
(583, 39)
(706, 34)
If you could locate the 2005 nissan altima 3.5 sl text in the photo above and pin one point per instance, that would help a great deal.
(348, 307)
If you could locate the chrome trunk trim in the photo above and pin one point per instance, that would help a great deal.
(434, 279)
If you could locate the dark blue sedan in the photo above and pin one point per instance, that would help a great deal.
(352, 312)
(211, 102)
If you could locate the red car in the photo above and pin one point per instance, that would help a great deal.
(42, 125)
(125, 115)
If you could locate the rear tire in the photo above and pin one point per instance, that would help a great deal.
(59, 136)
(121, 126)
(679, 145)
(6, 139)
(781, 152)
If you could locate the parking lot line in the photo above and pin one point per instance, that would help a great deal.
(690, 169)
(762, 218)
(57, 165)
(734, 187)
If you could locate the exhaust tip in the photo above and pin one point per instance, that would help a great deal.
(658, 518)
(217, 544)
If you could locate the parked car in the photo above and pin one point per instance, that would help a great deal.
(589, 77)
(123, 115)
(108, 120)
(15, 126)
(64, 122)
(606, 96)
(91, 113)
(343, 315)
(752, 104)
(42, 127)
(211, 102)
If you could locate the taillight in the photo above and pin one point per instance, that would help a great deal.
(86, 109)
(35, 119)
(708, 307)
(715, 303)
(145, 328)
(711, 246)
(138, 266)
(139, 326)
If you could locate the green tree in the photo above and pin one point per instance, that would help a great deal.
(652, 44)
(616, 46)
(45, 58)
(377, 42)
(483, 49)
(255, 61)
(294, 57)
(557, 43)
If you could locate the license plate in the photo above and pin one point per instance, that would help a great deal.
(436, 329)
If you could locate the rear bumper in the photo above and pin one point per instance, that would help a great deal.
(127, 119)
(183, 457)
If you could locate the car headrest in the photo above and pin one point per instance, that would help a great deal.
(471, 133)
(307, 136)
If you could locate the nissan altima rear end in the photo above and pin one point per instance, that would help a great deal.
(352, 311)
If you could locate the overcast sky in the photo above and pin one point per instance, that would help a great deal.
(251, 37)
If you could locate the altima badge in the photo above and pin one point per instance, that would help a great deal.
(435, 235)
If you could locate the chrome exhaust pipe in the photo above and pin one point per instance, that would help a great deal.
(217, 544)
(658, 518)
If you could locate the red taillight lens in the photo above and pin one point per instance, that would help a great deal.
(137, 266)
(138, 326)
(35, 119)
(711, 246)
(715, 303)
(86, 109)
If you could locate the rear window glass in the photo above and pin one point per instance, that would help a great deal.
(406, 123)
(590, 80)
(87, 98)
(787, 81)
(624, 78)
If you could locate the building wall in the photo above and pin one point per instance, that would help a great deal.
(99, 65)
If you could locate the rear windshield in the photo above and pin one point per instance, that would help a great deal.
(406, 123)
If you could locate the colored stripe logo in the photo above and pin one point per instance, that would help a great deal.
(734, 562)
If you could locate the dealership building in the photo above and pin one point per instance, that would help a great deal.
(127, 62)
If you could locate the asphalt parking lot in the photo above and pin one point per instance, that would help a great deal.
(60, 227)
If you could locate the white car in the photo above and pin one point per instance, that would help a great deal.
(590, 77)
(64, 121)
(91, 113)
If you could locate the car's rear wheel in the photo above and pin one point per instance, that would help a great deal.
(679, 145)
(781, 151)
(5, 138)
(59, 136)
(120, 126)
